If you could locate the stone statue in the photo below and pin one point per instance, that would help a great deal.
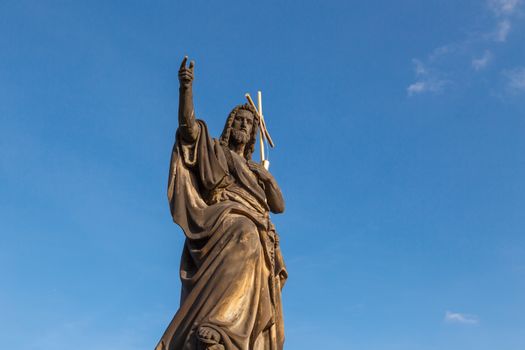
(231, 268)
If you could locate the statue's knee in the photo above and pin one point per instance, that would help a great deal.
(249, 241)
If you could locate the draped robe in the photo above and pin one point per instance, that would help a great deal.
(231, 268)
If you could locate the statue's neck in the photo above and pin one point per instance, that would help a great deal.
(237, 148)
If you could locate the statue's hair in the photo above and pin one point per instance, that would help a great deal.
(226, 133)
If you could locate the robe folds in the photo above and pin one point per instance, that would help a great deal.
(231, 268)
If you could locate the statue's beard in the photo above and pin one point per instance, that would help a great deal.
(240, 137)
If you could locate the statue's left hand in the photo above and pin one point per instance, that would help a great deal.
(263, 174)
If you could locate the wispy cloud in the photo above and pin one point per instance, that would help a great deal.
(456, 317)
(427, 80)
(425, 86)
(504, 11)
(416, 88)
(503, 30)
(482, 62)
(476, 50)
(515, 79)
(503, 7)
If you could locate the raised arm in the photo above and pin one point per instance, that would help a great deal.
(187, 126)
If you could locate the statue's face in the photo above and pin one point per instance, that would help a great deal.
(242, 126)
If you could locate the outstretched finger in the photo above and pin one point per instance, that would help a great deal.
(192, 64)
(183, 63)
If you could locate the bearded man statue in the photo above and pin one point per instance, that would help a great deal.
(232, 271)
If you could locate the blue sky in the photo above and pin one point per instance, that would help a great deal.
(400, 132)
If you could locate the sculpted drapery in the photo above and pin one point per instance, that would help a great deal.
(231, 268)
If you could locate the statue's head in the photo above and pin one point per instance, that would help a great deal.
(241, 129)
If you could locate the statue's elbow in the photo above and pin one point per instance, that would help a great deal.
(278, 208)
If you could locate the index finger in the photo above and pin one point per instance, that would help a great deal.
(183, 64)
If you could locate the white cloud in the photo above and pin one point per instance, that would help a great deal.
(441, 51)
(503, 30)
(448, 64)
(503, 10)
(419, 67)
(515, 79)
(483, 61)
(425, 86)
(503, 7)
(416, 88)
(456, 317)
(427, 80)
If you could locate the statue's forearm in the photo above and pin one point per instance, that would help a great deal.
(274, 197)
(187, 125)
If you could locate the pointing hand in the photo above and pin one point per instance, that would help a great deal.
(186, 73)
